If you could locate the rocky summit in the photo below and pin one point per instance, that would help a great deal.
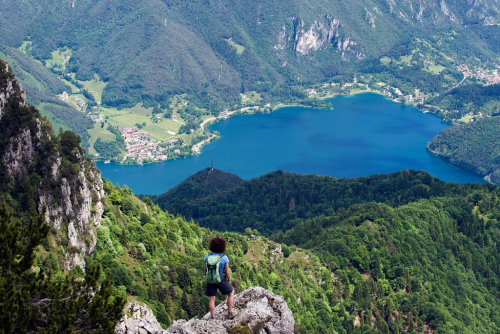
(260, 311)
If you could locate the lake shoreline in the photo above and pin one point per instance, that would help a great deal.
(300, 140)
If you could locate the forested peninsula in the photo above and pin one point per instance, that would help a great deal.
(472, 147)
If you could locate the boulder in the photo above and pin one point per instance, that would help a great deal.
(260, 312)
(138, 319)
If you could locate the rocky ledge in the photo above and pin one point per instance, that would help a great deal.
(260, 312)
(138, 319)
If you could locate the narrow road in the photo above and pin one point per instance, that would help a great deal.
(202, 125)
(196, 147)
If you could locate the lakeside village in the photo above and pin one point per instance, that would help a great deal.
(327, 90)
(140, 145)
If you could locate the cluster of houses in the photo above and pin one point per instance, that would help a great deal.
(95, 118)
(490, 76)
(140, 145)
(64, 96)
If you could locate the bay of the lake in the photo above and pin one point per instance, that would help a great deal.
(364, 134)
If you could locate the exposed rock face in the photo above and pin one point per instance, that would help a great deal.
(138, 319)
(69, 186)
(316, 37)
(261, 311)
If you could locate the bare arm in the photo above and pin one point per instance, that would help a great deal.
(226, 270)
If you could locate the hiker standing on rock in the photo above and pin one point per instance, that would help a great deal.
(218, 276)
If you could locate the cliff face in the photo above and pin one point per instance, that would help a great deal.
(46, 170)
(318, 36)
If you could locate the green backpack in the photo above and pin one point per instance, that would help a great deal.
(212, 275)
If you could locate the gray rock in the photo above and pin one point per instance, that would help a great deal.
(138, 319)
(259, 309)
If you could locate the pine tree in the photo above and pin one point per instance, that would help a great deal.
(123, 238)
(194, 306)
(172, 275)
(185, 279)
(185, 302)
(169, 306)
(411, 324)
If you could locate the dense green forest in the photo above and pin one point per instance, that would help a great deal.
(472, 147)
(157, 258)
(432, 262)
(204, 183)
(427, 264)
(279, 200)
(41, 299)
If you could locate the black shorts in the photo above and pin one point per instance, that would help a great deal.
(224, 287)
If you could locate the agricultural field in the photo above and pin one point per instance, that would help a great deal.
(129, 117)
(251, 97)
(58, 57)
(99, 132)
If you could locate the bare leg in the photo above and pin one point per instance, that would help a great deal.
(230, 300)
(211, 305)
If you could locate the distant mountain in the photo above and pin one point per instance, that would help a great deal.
(202, 184)
(473, 147)
(151, 49)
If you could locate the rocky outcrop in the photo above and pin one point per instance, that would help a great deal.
(138, 319)
(10, 89)
(69, 184)
(319, 35)
(260, 311)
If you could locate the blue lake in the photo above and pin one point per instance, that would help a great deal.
(364, 134)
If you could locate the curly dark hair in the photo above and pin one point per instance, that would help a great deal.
(217, 245)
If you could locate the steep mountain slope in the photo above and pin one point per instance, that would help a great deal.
(39, 169)
(152, 49)
(55, 195)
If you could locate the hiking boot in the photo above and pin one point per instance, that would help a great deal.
(233, 314)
